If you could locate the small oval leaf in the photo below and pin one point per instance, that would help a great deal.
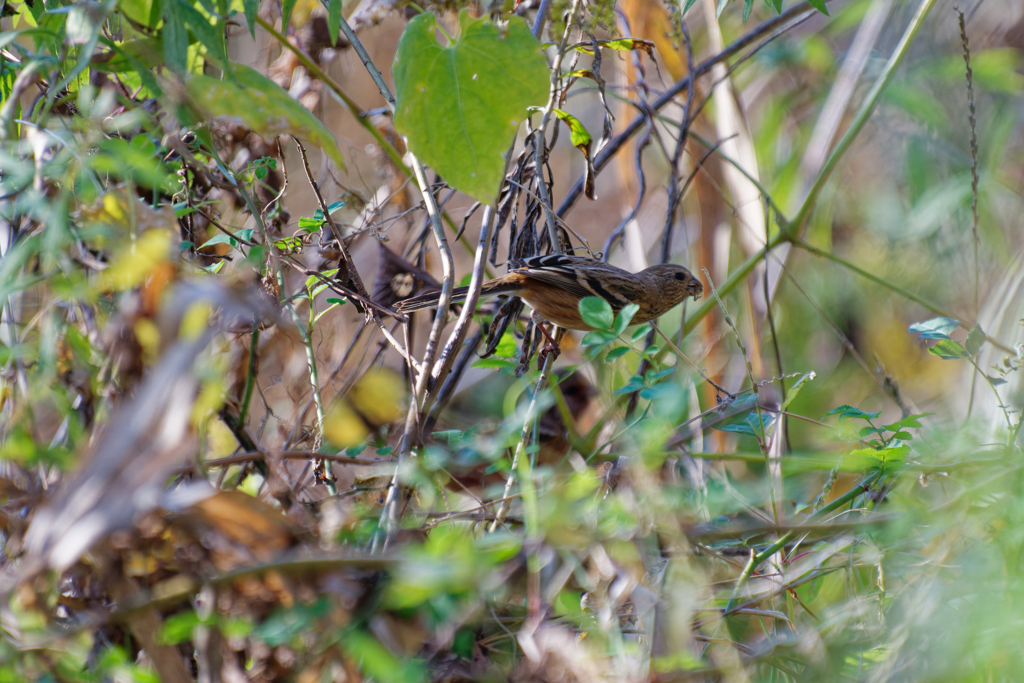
(596, 312)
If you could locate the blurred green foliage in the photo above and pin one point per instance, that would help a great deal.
(856, 513)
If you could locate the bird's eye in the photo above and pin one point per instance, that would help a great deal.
(680, 276)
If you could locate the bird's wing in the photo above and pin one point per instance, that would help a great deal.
(580, 276)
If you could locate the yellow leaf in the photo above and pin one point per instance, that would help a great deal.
(195, 320)
(149, 338)
(343, 427)
(380, 396)
(113, 205)
(136, 261)
(220, 439)
(209, 401)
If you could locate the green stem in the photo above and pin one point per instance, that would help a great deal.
(799, 221)
(362, 120)
(778, 545)
(250, 380)
(353, 108)
(807, 246)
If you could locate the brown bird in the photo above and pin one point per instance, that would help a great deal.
(553, 286)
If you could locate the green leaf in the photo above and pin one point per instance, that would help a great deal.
(747, 6)
(596, 312)
(909, 421)
(256, 255)
(734, 413)
(137, 65)
(245, 234)
(687, 6)
(181, 209)
(377, 661)
(664, 390)
(326, 310)
(628, 45)
(599, 337)
(849, 412)
(653, 377)
(286, 13)
(619, 44)
(288, 244)
(975, 340)
(219, 239)
(506, 347)
(795, 389)
(616, 353)
(251, 8)
(578, 133)
(333, 20)
(884, 456)
(746, 424)
(460, 105)
(285, 624)
(579, 73)
(319, 279)
(947, 349)
(639, 333)
(261, 105)
(936, 328)
(211, 36)
(118, 158)
(175, 36)
(624, 317)
(634, 384)
(819, 5)
(178, 627)
(310, 225)
(215, 268)
(495, 363)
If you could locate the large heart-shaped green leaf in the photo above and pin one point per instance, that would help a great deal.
(460, 105)
(262, 105)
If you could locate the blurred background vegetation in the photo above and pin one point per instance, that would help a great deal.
(223, 456)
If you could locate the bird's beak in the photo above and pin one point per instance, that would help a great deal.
(697, 289)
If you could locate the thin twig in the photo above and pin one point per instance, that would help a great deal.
(292, 455)
(974, 154)
(616, 144)
(675, 349)
(284, 185)
(538, 22)
(364, 57)
(520, 458)
(476, 281)
(250, 377)
(415, 408)
(346, 257)
(539, 143)
(753, 383)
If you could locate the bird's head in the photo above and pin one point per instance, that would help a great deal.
(676, 282)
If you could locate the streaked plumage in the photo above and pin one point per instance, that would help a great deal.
(553, 286)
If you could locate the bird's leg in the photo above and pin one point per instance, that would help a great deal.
(552, 346)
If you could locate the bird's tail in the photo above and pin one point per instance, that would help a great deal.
(430, 299)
